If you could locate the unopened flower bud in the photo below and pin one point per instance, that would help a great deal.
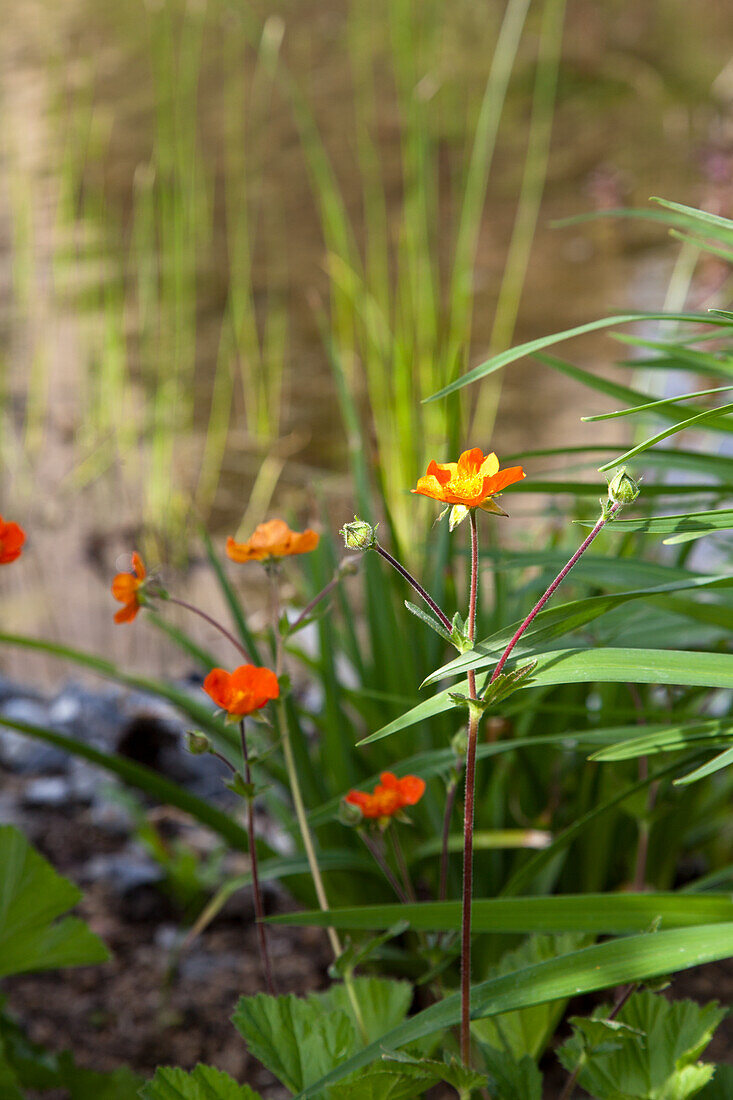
(623, 489)
(197, 743)
(350, 814)
(358, 535)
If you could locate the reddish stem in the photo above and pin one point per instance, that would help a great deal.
(416, 585)
(259, 907)
(468, 814)
(212, 622)
(558, 579)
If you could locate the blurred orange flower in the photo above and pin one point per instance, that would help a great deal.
(390, 795)
(273, 539)
(471, 482)
(246, 689)
(126, 589)
(12, 537)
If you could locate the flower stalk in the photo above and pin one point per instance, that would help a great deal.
(299, 806)
(257, 891)
(468, 811)
(606, 515)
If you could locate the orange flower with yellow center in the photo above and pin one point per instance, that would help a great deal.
(472, 482)
(390, 795)
(273, 539)
(126, 588)
(243, 691)
(12, 537)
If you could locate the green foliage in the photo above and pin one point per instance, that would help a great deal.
(648, 1051)
(202, 1083)
(301, 1041)
(721, 1086)
(25, 1065)
(528, 1030)
(511, 1077)
(32, 898)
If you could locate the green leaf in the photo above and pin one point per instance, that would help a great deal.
(573, 666)
(721, 1086)
(665, 401)
(686, 735)
(383, 1003)
(648, 1051)
(601, 914)
(509, 1079)
(297, 1040)
(722, 760)
(32, 897)
(26, 1065)
(398, 1077)
(384, 1081)
(630, 959)
(86, 1084)
(203, 1083)
(702, 523)
(528, 1030)
(565, 618)
(533, 346)
(428, 619)
(707, 414)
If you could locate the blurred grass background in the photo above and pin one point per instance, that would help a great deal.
(239, 243)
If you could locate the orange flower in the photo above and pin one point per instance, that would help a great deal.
(273, 539)
(126, 588)
(240, 692)
(12, 537)
(470, 483)
(390, 795)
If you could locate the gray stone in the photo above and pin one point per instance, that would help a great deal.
(49, 791)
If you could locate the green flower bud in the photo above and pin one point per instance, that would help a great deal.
(197, 743)
(623, 489)
(359, 535)
(349, 814)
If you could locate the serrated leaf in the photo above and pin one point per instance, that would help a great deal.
(383, 1003)
(630, 959)
(32, 897)
(384, 1081)
(721, 1086)
(648, 1052)
(454, 1073)
(510, 1078)
(528, 1030)
(202, 1083)
(297, 1040)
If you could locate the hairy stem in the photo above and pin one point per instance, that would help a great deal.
(558, 579)
(468, 814)
(416, 585)
(259, 907)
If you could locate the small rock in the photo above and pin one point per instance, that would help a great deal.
(52, 790)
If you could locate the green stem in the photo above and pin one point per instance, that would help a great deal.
(300, 812)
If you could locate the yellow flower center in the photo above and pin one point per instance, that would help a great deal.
(466, 485)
